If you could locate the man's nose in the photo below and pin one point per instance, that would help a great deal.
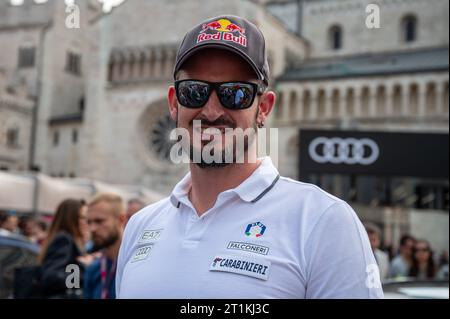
(92, 227)
(212, 110)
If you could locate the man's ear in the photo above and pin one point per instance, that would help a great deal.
(266, 103)
(173, 103)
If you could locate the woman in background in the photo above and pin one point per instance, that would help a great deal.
(423, 266)
(64, 246)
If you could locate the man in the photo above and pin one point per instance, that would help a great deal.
(239, 230)
(134, 205)
(381, 257)
(401, 264)
(9, 223)
(106, 218)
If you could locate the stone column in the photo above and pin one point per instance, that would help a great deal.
(439, 99)
(343, 109)
(372, 101)
(299, 111)
(314, 103)
(328, 103)
(357, 102)
(389, 109)
(421, 99)
(405, 102)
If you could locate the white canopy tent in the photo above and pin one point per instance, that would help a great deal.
(52, 191)
(29, 193)
(16, 192)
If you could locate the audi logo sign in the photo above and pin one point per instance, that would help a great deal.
(373, 153)
(349, 151)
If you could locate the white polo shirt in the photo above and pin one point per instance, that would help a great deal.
(270, 237)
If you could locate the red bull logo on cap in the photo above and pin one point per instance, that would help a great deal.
(225, 31)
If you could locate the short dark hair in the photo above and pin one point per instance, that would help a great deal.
(42, 225)
(3, 217)
(372, 228)
(405, 238)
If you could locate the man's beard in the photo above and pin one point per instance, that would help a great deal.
(107, 242)
(231, 149)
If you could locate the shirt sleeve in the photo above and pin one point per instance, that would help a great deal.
(339, 260)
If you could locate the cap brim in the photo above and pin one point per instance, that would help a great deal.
(220, 45)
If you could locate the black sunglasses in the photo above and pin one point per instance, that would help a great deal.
(234, 95)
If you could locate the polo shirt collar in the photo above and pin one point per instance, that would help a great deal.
(259, 183)
(251, 190)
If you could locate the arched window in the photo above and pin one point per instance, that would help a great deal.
(293, 105)
(413, 101)
(321, 100)
(142, 62)
(335, 103)
(409, 28)
(12, 137)
(381, 100)
(397, 100)
(307, 112)
(365, 102)
(430, 99)
(111, 66)
(349, 109)
(335, 37)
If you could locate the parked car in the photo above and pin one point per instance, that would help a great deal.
(416, 289)
(15, 252)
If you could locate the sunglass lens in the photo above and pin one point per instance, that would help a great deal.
(193, 94)
(236, 96)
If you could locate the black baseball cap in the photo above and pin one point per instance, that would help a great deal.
(228, 32)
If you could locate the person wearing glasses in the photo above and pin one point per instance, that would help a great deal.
(232, 228)
(423, 266)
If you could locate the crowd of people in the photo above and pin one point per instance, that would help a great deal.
(80, 234)
(89, 235)
(415, 258)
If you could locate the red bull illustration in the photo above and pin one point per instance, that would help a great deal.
(211, 26)
(233, 27)
(225, 31)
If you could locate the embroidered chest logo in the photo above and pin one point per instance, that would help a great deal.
(150, 235)
(225, 30)
(255, 230)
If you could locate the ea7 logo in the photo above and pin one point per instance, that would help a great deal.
(150, 235)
